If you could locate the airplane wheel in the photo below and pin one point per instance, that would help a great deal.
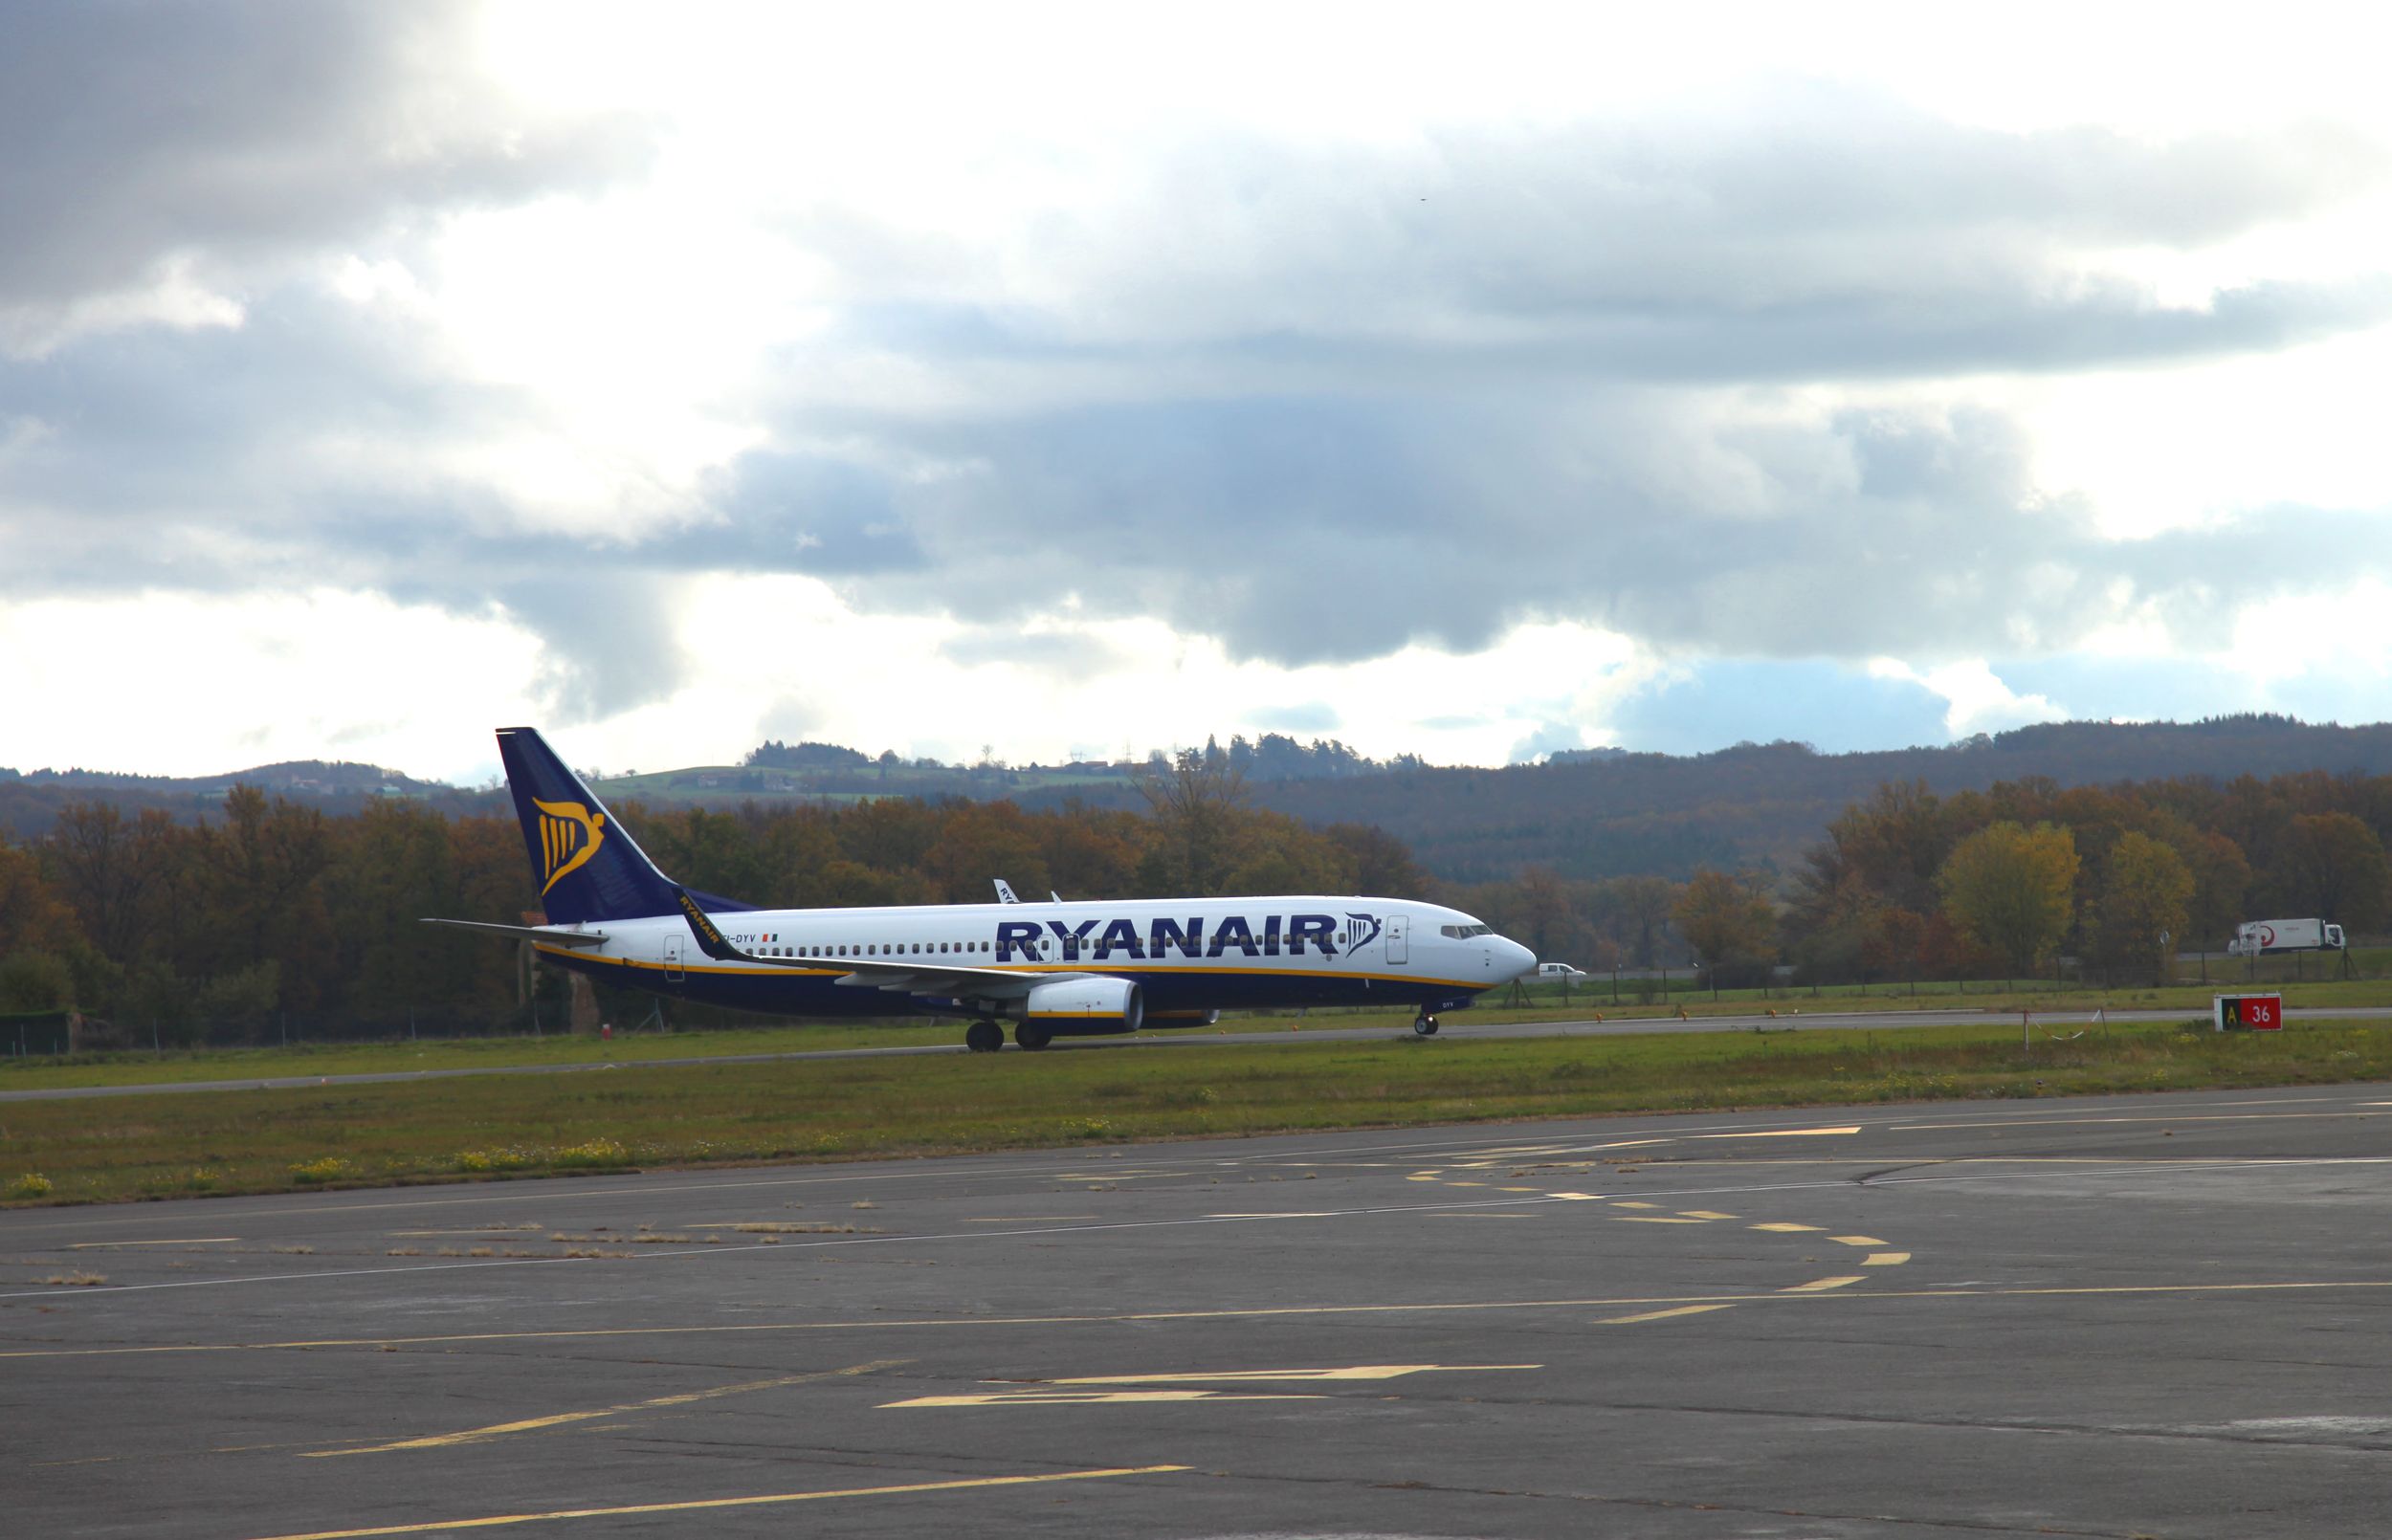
(1033, 1038)
(1424, 1025)
(984, 1037)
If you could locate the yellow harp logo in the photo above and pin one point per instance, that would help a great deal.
(569, 835)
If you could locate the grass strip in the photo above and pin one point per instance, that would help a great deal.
(1545, 1004)
(167, 1145)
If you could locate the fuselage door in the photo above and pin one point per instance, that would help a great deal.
(672, 960)
(1397, 929)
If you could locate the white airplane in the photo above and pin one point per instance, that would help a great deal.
(1079, 970)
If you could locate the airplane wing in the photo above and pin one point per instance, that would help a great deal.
(555, 934)
(917, 978)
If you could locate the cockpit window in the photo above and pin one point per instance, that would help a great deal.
(1463, 932)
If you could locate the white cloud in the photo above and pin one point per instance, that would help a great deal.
(931, 376)
(1976, 699)
(176, 684)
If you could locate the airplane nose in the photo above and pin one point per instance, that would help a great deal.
(1517, 959)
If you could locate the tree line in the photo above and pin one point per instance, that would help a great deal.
(1907, 884)
(274, 905)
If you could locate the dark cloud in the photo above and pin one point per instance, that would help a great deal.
(1318, 403)
(612, 641)
(1820, 233)
(140, 133)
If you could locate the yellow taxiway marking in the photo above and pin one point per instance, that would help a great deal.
(195, 1241)
(532, 1424)
(1816, 1284)
(1856, 1240)
(1650, 1218)
(1515, 1189)
(1884, 1258)
(1779, 1134)
(1787, 1229)
(1083, 1391)
(1095, 1397)
(1456, 1182)
(702, 1503)
(1661, 1315)
(1704, 1214)
(1138, 1317)
(1580, 1197)
(1242, 1377)
(1630, 1204)
(1420, 1178)
(490, 1231)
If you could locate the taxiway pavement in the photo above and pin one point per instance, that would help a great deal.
(2165, 1315)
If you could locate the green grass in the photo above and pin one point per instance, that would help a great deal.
(179, 1066)
(170, 1145)
(1544, 1004)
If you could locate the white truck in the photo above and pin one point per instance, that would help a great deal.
(2265, 939)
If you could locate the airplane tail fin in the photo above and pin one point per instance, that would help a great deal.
(589, 867)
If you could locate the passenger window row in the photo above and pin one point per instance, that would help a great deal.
(880, 949)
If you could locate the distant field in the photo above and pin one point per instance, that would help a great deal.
(265, 1141)
(720, 786)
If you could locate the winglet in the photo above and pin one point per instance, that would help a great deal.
(710, 937)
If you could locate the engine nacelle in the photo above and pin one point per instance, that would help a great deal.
(1083, 1007)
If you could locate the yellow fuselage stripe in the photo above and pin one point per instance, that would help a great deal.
(830, 969)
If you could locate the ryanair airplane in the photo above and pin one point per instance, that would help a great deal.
(1054, 970)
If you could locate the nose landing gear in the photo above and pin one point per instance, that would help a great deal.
(1425, 1025)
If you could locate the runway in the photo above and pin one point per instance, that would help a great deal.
(936, 1039)
(2168, 1315)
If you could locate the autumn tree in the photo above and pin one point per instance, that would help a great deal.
(37, 933)
(1645, 904)
(1383, 864)
(1831, 928)
(1726, 919)
(104, 864)
(2334, 870)
(2221, 879)
(1194, 798)
(2146, 893)
(261, 868)
(2010, 887)
(1893, 843)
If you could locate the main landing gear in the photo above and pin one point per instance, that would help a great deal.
(987, 1036)
(1425, 1025)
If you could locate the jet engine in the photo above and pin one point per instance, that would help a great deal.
(1083, 1007)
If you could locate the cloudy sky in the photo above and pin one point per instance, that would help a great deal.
(1468, 381)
